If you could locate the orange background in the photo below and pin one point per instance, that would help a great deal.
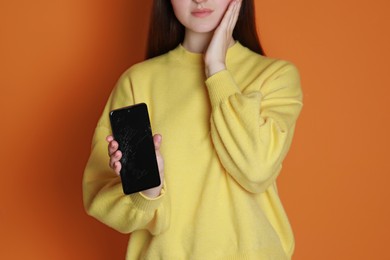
(60, 59)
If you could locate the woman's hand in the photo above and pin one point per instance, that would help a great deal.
(116, 155)
(215, 55)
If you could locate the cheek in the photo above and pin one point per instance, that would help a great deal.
(223, 4)
(179, 7)
(222, 7)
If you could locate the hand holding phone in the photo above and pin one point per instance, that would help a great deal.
(134, 153)
(116, 155)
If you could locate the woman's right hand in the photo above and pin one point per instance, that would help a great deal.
(115, 156)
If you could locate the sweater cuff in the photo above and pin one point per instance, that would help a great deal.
(221, 86)
(148, 204)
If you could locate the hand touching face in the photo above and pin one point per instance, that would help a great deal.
(215, 19)
(215, 55)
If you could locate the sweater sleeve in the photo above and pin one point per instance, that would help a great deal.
(102, 188)
(252, 132)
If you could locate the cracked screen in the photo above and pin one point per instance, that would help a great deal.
(131, 129)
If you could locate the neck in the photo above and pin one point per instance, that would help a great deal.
(197, 42)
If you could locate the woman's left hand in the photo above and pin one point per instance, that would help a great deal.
(215, 55)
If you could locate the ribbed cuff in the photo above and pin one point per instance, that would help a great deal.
(145, 203)
(221, 86)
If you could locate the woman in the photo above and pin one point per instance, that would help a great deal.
(227, 115)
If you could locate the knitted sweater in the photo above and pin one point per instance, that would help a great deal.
(224, 140)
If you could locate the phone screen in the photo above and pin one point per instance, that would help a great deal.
(131, 129)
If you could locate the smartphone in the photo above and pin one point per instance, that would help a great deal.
(131, 129)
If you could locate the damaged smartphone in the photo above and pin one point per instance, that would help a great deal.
(131, 129)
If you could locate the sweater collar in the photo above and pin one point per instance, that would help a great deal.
(196, 59)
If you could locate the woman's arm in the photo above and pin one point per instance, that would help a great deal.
(252, 132)
(102, 189)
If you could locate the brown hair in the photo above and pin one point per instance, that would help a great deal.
(166, 32)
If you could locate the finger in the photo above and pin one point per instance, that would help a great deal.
(109, 138)
(233, 16)
(112, 147)
(226, 18)
(112, 162)
(230, 19)
(114, 158)
(236, 13)
(117, 168)
(157, 138)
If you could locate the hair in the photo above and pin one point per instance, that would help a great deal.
(166, 32)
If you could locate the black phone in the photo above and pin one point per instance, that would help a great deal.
(131, 129)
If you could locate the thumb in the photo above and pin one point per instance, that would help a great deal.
(157, 138)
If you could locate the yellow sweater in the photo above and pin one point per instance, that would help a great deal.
(224, 140)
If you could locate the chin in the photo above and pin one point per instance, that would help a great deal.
(203, 29)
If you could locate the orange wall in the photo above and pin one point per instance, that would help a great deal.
(60, 59)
